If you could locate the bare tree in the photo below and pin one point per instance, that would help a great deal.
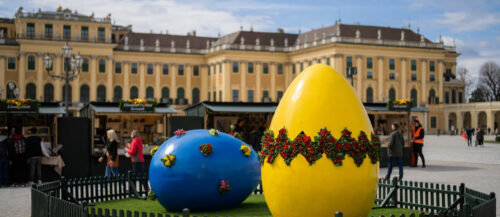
(489, 80)
(464, 76)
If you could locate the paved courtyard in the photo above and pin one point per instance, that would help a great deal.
(448, 159)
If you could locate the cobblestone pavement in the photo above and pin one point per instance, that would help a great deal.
(448, 160)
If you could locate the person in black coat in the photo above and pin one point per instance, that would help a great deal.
(111, 154)
(34, 152)
(18, 158)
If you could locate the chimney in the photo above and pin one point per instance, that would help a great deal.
(280, 30)
(194, 33)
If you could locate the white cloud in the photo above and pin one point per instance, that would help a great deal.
(177, 17)
(449, 41)
(467, 21)
(483, 43)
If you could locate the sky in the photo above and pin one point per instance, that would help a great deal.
(474, 25)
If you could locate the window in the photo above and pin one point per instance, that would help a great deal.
(392, 64)
(280, 69)
(85, 33)
(48, 31)
(196, 95)
(453, 96)
(279, 95)
(67, 32)
(220, 95)
(133, 68)
(369, 75)
(319, 61)
(369, 94)
(180, 96)
(348, 61)
(118, 67)
(433, 122)
(11, 63)
(150, 93)
(84, 93)
(209, 70)
(446, 97)
(414, 65)
(196, 70)
(165, 69)
(30, 30)
(215, 96)
(392, 76)
(413, 76)
(101, 36)
(30, 91)
(31, 62)
(432, 66)
(265, 67)
(250, 96)
(208, 97)
(328, 61)
(369, 63)
(432, 97)
(460, 97)
(150, 69)
(220, 68)
(117, 94)
(293, 68)
(265, 96)
(101, 93)
(236, 67)
(301, 67)
(392, 94)
(102, 65)
(48, 93)
(64, 94)
(432, 77)
(250, 67)
(413, 96)
(235, 96)
(310, 63)
(165, 95)
(85, 65)
(180, 70)
(134, 92)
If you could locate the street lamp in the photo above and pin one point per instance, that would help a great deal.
(72, 67)
(350, 72)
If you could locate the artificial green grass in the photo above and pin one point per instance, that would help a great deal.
(254, 205)
(491, 141)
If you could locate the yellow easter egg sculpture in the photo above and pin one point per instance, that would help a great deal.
(312, 165)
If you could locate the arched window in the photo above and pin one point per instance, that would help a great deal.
(180, 96)
(134, 92)
(48, 93)
(413, 96)
(150, 93)
(369, 94)
(30, 91)
(432, 96)
(392, 94)
(165, 95)
(117, 94)
(84, 93)
(101, 93)
(196, 95)
(64, 94)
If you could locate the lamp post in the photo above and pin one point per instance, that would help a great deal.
(72, 67)
(350, 72)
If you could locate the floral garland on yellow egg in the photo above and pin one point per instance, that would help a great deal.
(324, 143)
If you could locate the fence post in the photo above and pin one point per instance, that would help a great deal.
(492, 195)
(396, 189)
(462, 196)
(129, 180)
(338, 214)
(185, 212)
(467, 210)
(63, 188)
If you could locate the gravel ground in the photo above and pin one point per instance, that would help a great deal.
(448, 160)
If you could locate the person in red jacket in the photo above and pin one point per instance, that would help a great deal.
(134, 149)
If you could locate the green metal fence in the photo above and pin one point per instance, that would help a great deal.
(75, 197)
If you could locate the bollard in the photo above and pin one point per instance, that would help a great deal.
(186, 212)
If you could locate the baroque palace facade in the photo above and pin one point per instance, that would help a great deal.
(244, 66)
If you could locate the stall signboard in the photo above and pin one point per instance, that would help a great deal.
(138, 105)
(399, 105)
(24, 105)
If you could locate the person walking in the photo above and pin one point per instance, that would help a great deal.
(4, 159)
(111, 154)
(479, 137)
(469, 133)
(34, 152)
(395, 151)
(18, 157)
(418, 142)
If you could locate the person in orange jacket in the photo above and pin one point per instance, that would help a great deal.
(418, 142)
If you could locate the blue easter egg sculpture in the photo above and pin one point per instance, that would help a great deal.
(203, 170)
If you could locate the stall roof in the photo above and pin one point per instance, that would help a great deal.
(99, 107)
(45, 108)
(243, 107)
(239, 107)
